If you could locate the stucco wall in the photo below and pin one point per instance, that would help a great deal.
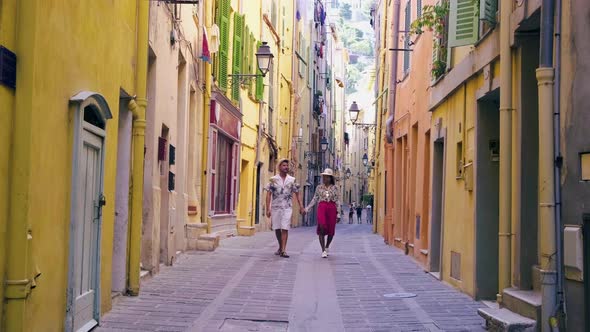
(63, 48)
(575, 108)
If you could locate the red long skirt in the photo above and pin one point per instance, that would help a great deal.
(327, 214)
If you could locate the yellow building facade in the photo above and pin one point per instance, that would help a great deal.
(59, 156)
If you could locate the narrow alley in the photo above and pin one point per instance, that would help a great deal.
(243, 286)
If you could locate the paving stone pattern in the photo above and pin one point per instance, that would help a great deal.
(243, 286)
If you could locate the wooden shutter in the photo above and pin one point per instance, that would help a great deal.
(251, 63)
(309, 63)
(418, 8)
(463, 23)
(259, 81)
(488, 11)
(224, 10)
(302, 49)
(407, 37)
(237, 53)
(435, 50)
(246, 49)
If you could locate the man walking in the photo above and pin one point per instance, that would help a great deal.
(359, 212)
(370, 214)
(281, 189)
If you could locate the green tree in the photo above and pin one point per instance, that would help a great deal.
(362, 47)
(345, 11)
(353, 75)
(359, 33)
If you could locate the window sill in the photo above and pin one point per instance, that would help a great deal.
(437, 80)
(222, 215)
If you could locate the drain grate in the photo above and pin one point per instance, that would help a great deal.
(239, 325)
(400, 295)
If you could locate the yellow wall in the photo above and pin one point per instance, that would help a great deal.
(250, 121)
(457, 114)
(7, 39)
(64, 47)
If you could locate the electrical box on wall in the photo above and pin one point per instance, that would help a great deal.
(573, 252)
(7, 67)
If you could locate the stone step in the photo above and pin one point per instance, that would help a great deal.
(246, 230)
(208, 242)
(526, 303)
(192, 234)
(504, 320)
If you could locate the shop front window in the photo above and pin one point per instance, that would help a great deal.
(223, 179)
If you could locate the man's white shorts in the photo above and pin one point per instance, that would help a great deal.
(281, 218)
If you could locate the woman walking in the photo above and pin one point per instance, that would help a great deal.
(328, 215)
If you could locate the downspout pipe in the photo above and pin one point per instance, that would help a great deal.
(560, 310)
(393, 71)
(506, 112)
(547, 173)
(17, 280)
(205, 196)
(137, 108)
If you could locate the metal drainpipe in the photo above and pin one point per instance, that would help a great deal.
(18, 279)
(547, 211)
(560, 310)
(393, 70)
(506, 110)
(138, 108)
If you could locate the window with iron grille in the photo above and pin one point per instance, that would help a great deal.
(407, 22)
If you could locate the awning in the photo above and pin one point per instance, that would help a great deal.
(380, 96)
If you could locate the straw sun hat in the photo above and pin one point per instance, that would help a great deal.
(328, 172)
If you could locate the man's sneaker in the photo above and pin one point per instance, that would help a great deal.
(324, 254)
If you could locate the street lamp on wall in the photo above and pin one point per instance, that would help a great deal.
(354, 111)
(324, 144)
(348, 173)
(365, 160)
(263, 59)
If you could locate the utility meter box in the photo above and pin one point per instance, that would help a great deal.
(573, 252)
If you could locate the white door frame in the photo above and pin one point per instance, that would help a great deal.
(79, 102)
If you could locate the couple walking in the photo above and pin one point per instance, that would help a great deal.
(279, 207)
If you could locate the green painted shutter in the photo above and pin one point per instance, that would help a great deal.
(237, 53)
(488, 11)
(259, 81)
(408, 18)
(251, 63)
(218, 23)
(224, 10)
(463, 23)
(246, 50)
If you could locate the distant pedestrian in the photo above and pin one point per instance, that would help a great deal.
(328, 215)
(359, 212)
(281, 189)
(350, 213)
(370, 214)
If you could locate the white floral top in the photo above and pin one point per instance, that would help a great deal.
(282, 191)
(324, 193)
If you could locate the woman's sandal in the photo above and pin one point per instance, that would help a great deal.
(284, 255)
(278, 252)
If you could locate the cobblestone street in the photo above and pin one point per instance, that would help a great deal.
(242, 286)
